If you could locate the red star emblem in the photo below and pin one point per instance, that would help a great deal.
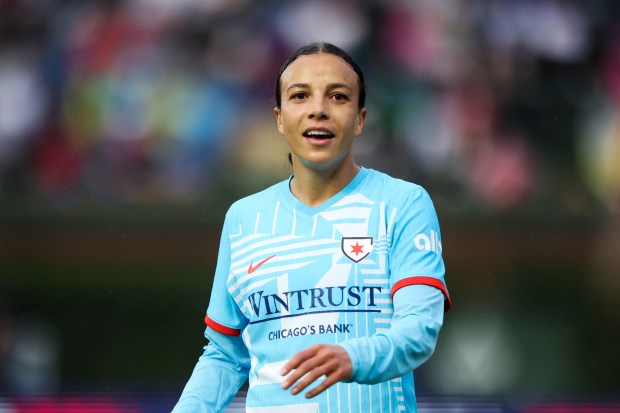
(357, 249)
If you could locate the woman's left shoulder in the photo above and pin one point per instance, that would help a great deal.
(399, 187)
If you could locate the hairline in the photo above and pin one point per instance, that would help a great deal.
(330, 86)
(324, 48)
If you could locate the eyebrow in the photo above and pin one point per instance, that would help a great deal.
(330, 86)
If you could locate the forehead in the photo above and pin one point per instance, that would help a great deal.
(319, 68)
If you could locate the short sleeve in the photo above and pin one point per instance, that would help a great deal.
(416, 247)
(223, 314)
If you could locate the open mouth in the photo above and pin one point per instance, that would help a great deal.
(318, 133)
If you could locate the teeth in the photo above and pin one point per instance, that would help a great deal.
(318, 133)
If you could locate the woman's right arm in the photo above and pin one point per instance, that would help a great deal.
(218, 375)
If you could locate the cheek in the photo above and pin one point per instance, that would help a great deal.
(287, 122)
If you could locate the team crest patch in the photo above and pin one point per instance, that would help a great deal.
(356, 248)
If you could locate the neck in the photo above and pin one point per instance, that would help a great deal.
(315, 186)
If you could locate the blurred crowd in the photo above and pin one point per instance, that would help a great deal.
(498, 103)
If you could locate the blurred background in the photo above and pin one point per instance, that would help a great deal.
(128, 127)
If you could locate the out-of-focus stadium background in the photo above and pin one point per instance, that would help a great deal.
(128, 127)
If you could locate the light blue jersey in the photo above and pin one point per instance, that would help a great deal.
(290, 276)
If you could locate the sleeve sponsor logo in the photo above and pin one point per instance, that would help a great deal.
(429, 242)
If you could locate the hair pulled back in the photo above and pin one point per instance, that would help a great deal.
(323, 47)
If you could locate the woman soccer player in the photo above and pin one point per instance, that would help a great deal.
(329, 288)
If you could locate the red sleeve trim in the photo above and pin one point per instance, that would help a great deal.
(220, 328)
(430, 281)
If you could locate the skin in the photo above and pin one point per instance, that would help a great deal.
(319, 92)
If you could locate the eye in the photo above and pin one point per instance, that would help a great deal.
(298, 96)
(340, 96)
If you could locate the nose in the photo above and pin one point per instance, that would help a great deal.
(318, 109)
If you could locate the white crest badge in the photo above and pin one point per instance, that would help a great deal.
(356, 248)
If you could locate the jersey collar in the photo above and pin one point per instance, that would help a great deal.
(295, 203)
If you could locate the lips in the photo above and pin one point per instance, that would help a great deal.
(318, 133)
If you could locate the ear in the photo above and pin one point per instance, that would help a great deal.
(278, 114)
(361, 118)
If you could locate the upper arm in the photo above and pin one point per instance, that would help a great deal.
(416, 248)
(223, 313)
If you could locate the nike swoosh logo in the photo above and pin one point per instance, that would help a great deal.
(253, 267)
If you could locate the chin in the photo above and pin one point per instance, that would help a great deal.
(322, 163)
